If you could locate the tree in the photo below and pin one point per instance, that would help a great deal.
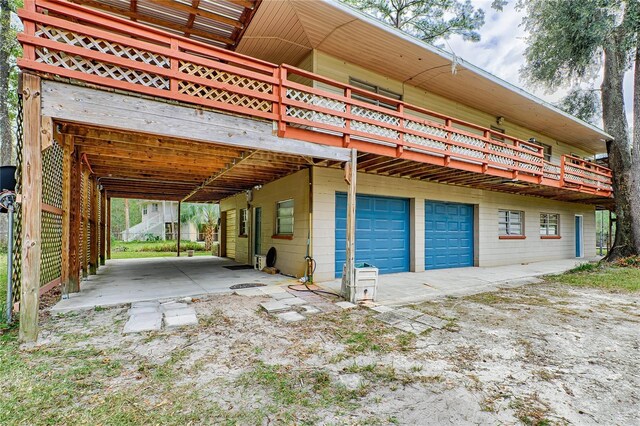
(204, 216)
(9, 51)
(428, 20)
(572, 41)
(583, 104)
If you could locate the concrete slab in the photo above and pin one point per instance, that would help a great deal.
(179, 312)
(273, 289)
(274, 306)
(390, 318)
(282, 295)
(293, 301)
(290, 316)
(146, 304)
(250, 292)
(309, 309)
(180, 320)
(345, 305)
(411, 327)
(413, 287)
(408, 313)
(381, 308)
(172, 306)
(142, 310)
(431, 321)
(144, 322)
(126, 281)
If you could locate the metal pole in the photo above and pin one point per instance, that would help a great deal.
(10, 263)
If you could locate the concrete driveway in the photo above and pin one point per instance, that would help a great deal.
(136, 280)
(413, 287)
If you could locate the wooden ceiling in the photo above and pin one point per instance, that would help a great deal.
(149, 167)
(286, 31)
(218, 22)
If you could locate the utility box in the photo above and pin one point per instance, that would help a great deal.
(259, 262)
(365, 282)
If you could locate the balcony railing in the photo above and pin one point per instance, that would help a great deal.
(68, 40)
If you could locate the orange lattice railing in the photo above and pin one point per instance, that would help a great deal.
(72, 41)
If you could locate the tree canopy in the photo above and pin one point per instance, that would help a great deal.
(429, 20)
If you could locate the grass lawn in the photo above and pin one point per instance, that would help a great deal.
(604, 277)
(143, 249)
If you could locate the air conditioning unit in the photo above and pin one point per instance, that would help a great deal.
(259, 262)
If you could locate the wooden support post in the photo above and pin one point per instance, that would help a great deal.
(67, 152)
(350, 176)
(75, 263)
(179, 233)
(103, 226)
(85, 219)
(108, 228)
(93, 262)
(31, 208)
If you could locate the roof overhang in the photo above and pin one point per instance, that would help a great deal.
(285, 31)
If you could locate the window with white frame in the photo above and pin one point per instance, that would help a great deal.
(244, 221)
(510, 222)
(144, 210)
(546, 149)
(284, 217)
(374, 89)
(549, 224)
(154, 207)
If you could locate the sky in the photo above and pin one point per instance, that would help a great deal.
(501, 51)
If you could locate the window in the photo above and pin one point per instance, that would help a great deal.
(549, 224)
(497, 137)
(284, 217)
(154, 207)
(510, 223)
(244, 220)
(546, 148)
(375, 89)
(144, 210)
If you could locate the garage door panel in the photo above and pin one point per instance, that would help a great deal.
(382, 232)
(448, 235)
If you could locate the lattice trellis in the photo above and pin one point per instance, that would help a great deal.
(427, 130)
(17, 217)
(551, 171)
(81, 247)
(51, 233)
(220, 95)
(584, 177)
(467, 140)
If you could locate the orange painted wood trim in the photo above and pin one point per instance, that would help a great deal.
(282, 237)
(512, 237)
(52, 209)
(550, 237)
(49, 286)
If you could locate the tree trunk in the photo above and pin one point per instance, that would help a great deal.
(620, 158)
(126, 220)
(6, 139)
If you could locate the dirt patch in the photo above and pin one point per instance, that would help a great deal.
(534, 355)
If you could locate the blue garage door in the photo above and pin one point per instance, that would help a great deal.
(382, 232)
(448, 235)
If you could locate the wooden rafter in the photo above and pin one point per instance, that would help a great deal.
(194, 10)
(192, 17)
(221, 173)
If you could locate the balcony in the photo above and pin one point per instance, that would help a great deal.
(64, 40)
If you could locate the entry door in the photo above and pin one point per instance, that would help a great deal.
(231, 234)
(448, 235)
(579, 237)
(382, 233)
(257, 234)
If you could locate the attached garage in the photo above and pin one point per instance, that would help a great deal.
(449, 236)
(382, 233)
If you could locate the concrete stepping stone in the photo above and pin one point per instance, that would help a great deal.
(274, 306)
(146, 304)
(431, 321)
(151, 321)
(142, 310)
(294, 301)
(308, 309)
(272, 289)
(290, 316)
(172, 305)
(249, 292)
(411, 327)
(180, 320)
(283, 295)
(179, 312)
(390, 318)
(345, 305)
(381, 308)
(408, 313)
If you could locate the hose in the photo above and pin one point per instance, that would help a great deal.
(310, 270)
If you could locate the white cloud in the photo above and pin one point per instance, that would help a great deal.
(501, 51)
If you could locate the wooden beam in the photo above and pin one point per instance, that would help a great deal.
(103, 226)
(179, 231)
(194, 10)
(74, 226)
(67, 160)
(351, 176)
(133, 114)
(93, 223)
(108, 228)
(85, 218)
(219, 174)
(31, 207)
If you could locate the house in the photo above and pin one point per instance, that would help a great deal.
(160, 221)
(320, 131)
